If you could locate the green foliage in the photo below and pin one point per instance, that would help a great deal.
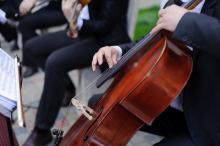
(146, 20)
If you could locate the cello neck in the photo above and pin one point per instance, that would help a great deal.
(192, 4)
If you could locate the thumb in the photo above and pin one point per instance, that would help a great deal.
(156, 29)
(79, 8)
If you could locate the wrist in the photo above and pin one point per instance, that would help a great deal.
(119, 52)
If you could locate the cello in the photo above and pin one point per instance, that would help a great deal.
(146, 80)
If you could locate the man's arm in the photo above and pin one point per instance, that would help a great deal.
(166, 21)
(26, 6)
(126, 47)
(199, 31)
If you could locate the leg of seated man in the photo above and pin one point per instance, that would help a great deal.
(44, 18)
(179, 140)
(37, 49)
(172, 125)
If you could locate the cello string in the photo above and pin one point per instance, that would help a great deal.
(77, 96)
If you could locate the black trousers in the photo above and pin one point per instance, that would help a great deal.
(57, 54)
(171, 124)
(46, 17)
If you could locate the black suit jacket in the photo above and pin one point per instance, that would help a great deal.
(201, 96)
(10, 7)
(108, 21)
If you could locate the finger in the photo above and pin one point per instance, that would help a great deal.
(160, 21)
(25, 11)
(161, 12)
(157, 29)
(94, 62)
(79, 7)
(100, 56)
(21, 9)
(108, 57)
(74, 4)
(22, 12)
(64, 3)
(74, 12)
(114, 58)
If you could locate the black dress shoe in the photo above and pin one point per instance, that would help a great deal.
(69, 94)
(38, 139)
(29, 71)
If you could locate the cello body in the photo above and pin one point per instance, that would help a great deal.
(143, 87)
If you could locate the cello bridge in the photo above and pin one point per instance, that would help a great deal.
(88, 112)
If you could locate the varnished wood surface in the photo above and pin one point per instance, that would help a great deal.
(4, 133)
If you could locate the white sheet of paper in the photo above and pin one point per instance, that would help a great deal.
(7, 76)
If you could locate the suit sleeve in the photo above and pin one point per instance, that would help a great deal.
(200, 32)
(126, 47)
(105, 22)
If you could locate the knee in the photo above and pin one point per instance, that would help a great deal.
(53, 64)
(30, 47)
(24, 25)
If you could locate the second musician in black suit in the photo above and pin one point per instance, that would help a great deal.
(58, 54)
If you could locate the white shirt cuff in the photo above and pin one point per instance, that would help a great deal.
(84, 15)
(119, 50)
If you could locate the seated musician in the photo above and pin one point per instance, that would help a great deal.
(58, 54)
(193, 118)
(46, 17)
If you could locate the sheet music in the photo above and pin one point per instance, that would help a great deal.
(7, 76)
(10, 90)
